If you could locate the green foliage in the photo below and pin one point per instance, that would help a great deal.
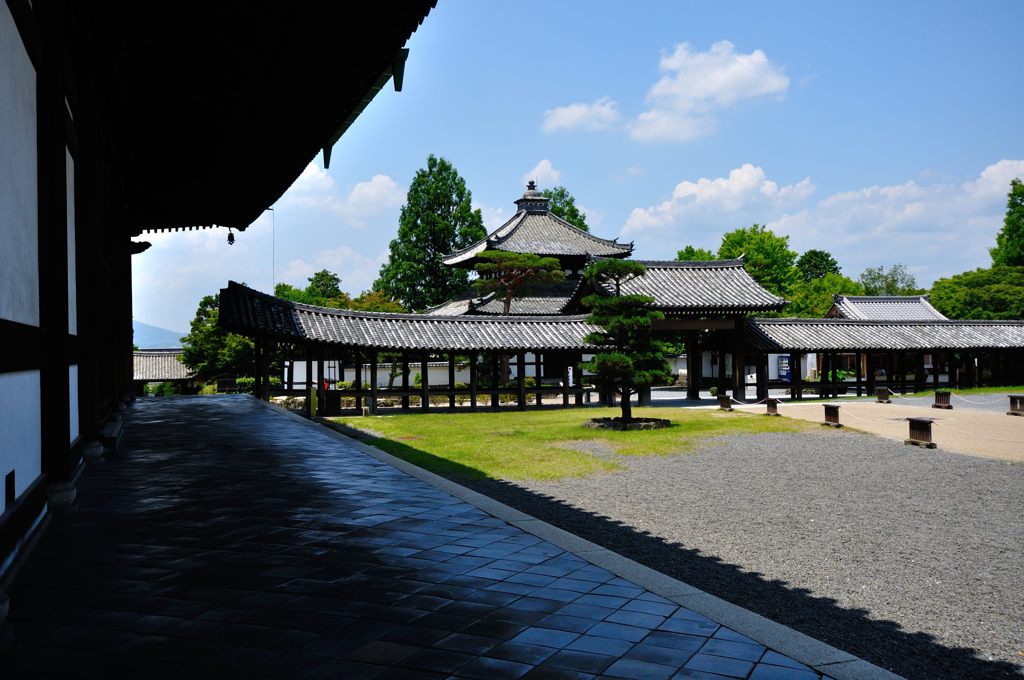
(996, 293)
(766, 257)
(637, 359)
(211, 351)
(897, 280)
(1009, 249)
(813, 298)
(509, 275)
(437, 218)
(563, 204)
(247, 384)
(691, 254)
(613, 272)
(814, 264)
(164, 389)
(324, 284)
(324, 290)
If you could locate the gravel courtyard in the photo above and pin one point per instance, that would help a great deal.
(913, 559)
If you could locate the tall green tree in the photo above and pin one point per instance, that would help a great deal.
(1009, 248)
(766, 256)
(437, 218)
(324, 284)
(634, 359)
(324, 290)
(896, 280)
(692, 254)
(814, 264)
(996, 293)
(563, 204)
(210, 351)
(512, 274)
(814, 298)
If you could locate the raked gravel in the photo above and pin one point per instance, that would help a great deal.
(930, 540)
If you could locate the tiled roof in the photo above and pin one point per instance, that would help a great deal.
(547, 300)
(853, 335)
(152, 365)
(246, 311)
(713, 286)
(540, 233)
(884, 308)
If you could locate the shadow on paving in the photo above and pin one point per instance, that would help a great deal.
(884, 643)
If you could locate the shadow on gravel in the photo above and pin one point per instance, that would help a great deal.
(883, 643)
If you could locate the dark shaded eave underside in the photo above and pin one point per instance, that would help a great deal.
(214, 109)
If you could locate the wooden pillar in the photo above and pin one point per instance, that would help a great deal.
(537, 372)
(289, 374)
(901, 361)
(472, 381)
(307, 354)
(495, 371)
(405, 380)
(357, 382)
(577, 370)
(257, 386)
(935, 368)
(521, 379)
(722, 381)
(321, 401)
(869, 359)
(694, 365)
(565, 380)
(796, 377)
(425, 381)
(371, 403)
(739, 363)
(858, 373)
(451, 379)
(762, 376)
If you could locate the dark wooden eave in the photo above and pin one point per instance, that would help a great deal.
(214, 108)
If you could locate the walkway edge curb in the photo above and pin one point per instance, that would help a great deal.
(821, 657)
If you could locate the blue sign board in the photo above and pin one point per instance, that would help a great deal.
(784, 373)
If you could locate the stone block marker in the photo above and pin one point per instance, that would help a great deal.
(882, 395)
(832, 415)
(921, 432)
(942, 400)
(724, 402)
(1016, 405)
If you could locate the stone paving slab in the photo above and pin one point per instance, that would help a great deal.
(230, 539)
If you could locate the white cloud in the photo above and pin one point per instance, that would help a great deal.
(936, 229)
(543, 173)
(723, 200)
(315, 189)
(695, 84)
(597, 115)
(357, 271)
(493, 217)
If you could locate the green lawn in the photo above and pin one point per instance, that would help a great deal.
(547, 444)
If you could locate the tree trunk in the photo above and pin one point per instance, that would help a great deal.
(627, 406)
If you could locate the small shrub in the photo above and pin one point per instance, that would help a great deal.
(209, 388)
(714, 390)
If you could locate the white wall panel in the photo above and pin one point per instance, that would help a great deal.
(19, 214)
(73, 400)
(69, 166)
(20, 427)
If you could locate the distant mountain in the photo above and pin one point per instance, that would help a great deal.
(154, 337)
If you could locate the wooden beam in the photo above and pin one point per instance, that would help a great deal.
(694, 365)
(495, 403)
(451, 378)
(372, 401)
(405, 380)
(693, 325)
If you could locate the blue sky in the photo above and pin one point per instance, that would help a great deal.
(881, 132)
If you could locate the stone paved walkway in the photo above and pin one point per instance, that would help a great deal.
(227, 540)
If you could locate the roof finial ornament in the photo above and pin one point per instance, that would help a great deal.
(531, 186)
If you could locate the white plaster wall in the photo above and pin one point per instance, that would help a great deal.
(20, 428)
(69, 166)
(73, 401)
(19, 219)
